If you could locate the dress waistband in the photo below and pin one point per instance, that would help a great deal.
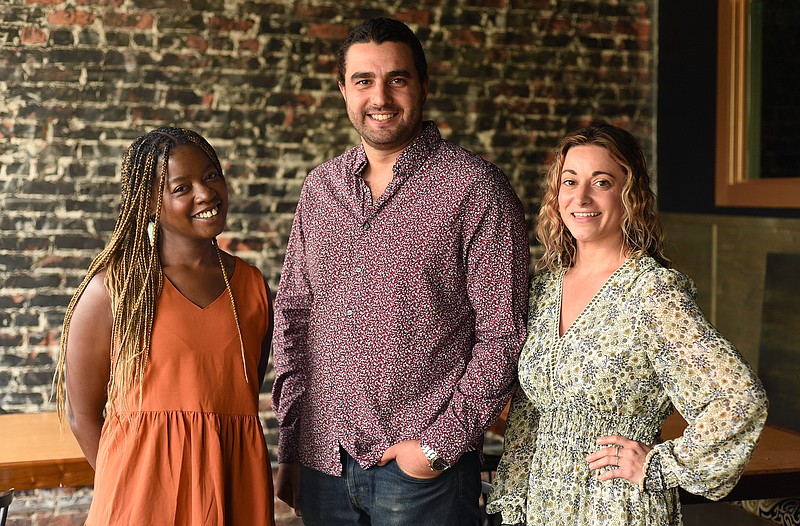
(576, 429)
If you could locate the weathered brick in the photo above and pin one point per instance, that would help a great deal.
(118, 38)
(197, 42)
(463, 17)
(64, 262)
(113, 57)
(306, 10)
(144, 40)
(129, 20)
(104, 3)
(222, 44)
(37, 377)
(26, 320)
(414, 16)
(182, 20)
(33, 36)
(82, 205)
(75, 56)
(48, 187)
(224, 23)
(251, 45)
(21, 399)
(44, 299)
(61, 37)
(68, 241)
(177, 5)
(53, 318)
(327, 31)
(30, 281)
(9, 339)
(70, 18)
(14, 262)
(11, 301)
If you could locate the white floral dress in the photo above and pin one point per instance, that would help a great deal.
(640, 347)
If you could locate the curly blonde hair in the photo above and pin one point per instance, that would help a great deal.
(642, 230)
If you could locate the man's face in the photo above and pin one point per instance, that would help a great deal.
(384, 94)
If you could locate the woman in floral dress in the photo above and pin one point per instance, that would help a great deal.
(615, 342)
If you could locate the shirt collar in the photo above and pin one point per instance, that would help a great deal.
(411, 158)
(418, 150)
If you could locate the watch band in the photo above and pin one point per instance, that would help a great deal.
(435, 462)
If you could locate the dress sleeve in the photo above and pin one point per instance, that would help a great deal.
(709, 383)
(510, 487)
(292, 310)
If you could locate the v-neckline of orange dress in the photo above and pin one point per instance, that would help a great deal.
(212, 302)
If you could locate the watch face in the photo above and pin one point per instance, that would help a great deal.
(439, 464)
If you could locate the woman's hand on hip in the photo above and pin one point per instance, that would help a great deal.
(625, 457)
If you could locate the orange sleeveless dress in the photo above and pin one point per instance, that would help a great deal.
(195, 454)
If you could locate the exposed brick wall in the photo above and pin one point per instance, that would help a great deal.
(80, 79)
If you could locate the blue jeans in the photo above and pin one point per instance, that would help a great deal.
(386, 496)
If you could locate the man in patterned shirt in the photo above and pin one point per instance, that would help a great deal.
(401, 308)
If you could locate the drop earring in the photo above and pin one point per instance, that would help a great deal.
(151, 232)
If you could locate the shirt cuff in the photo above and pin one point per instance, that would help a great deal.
(444, 448)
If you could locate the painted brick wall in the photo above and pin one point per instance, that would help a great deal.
(80, 79)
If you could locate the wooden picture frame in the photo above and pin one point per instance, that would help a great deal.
(737, 125)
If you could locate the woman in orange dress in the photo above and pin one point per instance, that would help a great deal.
(164, 349)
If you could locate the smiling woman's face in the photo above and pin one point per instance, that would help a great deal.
(590, 195)
(195, 200)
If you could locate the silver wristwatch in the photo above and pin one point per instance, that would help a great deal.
(435, 462)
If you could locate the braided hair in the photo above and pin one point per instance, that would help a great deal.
(133, 268)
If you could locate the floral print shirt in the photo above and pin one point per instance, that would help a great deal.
(402, 318)
(639, 348)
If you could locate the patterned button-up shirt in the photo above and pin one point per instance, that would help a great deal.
(399, 319)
